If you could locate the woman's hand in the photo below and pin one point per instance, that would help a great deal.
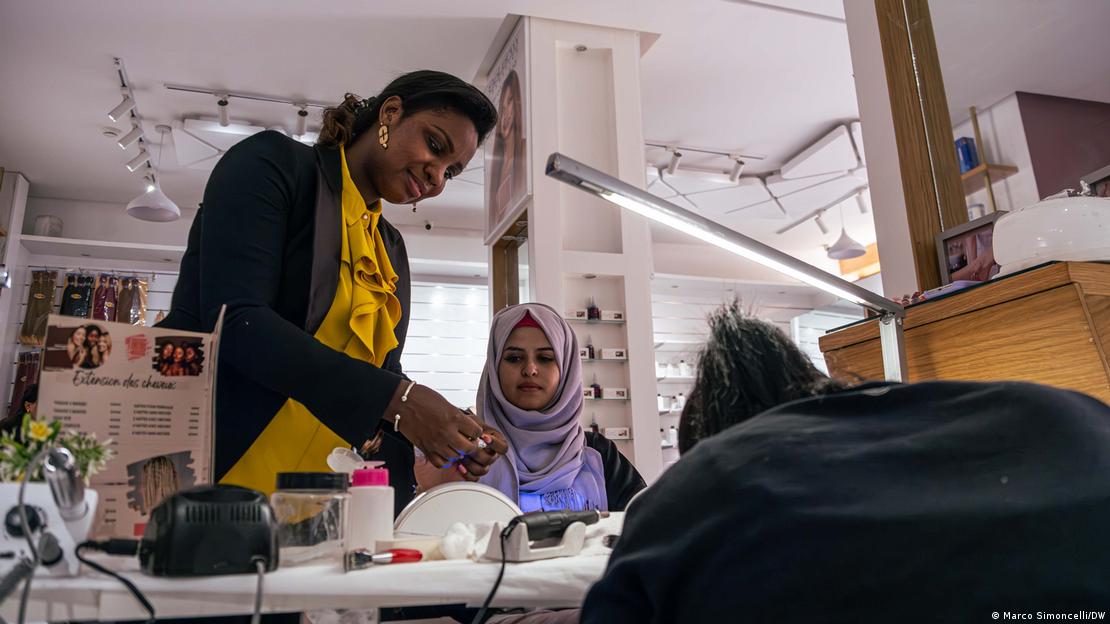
(440, 430)
(476, 465)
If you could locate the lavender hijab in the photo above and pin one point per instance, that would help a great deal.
(547, 448)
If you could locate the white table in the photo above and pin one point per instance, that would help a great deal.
(550, 583)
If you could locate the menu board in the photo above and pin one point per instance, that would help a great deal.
(148, 390)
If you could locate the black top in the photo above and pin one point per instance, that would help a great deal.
(622, 481)
(933, 502)
(266, 243)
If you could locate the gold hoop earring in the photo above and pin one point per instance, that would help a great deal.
(383, 136)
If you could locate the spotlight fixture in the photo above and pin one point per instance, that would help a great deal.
(673, 165)
(737, 169)
(138, 161)
(129, 138)
(153, 205)
(221, 109)
(302, 121)
(862, 203)
(122, 108)
(821, 224)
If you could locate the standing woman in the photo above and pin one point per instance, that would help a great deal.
(292, 240)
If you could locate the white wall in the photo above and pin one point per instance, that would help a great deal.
(448, 334)
(1003, 143)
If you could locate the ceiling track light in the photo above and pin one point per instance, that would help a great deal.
(221, 109)
(302, 121)
(148, 179)
(672, 166)
(153, 205)
(821, 224)
(138, 161)
(129, 138)
(737, 169)
(122, 108)
(862, 203)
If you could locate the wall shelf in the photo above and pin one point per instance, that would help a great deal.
(593, 322)
(675, 379)
(975, 179)
(102, 250)
(601, 361)
(604, 399)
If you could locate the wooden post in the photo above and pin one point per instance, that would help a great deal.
(923, 130)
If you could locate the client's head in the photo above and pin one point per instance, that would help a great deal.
(746, 367)
(531, 344)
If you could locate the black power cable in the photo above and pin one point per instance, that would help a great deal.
(496, 584)
(117, 545)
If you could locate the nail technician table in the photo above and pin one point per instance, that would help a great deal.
(550, 583)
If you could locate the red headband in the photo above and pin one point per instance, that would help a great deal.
(527, 321)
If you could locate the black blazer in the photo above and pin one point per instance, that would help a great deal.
(266, 243)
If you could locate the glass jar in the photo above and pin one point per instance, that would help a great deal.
(311, 511)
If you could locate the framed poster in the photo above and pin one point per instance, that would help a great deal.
(508, 170)
(966, 252)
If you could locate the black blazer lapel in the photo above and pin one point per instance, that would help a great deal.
(326, 237)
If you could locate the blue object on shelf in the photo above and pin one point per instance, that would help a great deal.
(967, 154)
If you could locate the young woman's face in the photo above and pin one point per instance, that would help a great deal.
(178, 354)
(190, 354)
(104, 343)
(92, 336)
(426, 149)
(528, 370)
(167, 350)
(78, 337)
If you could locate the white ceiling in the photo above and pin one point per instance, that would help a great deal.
(730, 75)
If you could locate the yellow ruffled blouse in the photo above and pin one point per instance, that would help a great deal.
(360, 323)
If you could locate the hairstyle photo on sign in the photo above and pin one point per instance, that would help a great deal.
(966, 252)
(178, 356)
(85, 346)
(153, 479)
(507, 170)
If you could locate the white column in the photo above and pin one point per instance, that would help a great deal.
(888, 203)
(13, 204)
(584, 101)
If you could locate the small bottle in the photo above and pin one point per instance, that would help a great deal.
(596, 388)
(672, 436)
(593, 312)
(680, 401)
(590, 346)
(593, 425)
(662, 437)
(662, 404)
(371, 507)
(683, 369)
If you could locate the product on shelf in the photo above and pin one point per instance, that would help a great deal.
(40, 303)
(26, 375)
(137, 309)
(123, 301)
(590, 353)
(100, 299)
(593, 313)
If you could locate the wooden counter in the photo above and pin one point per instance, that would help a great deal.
(1050, 325)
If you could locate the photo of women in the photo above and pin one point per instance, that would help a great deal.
(179, 358)
(75, 347)
(88, 346)
(508, 180)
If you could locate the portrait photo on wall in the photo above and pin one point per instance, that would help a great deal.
(178, 356)
(508, 181)
(966, 252)
(85, 346)
(153, 479)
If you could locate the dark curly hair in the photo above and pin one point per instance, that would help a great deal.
(746, 367)
(418, 90)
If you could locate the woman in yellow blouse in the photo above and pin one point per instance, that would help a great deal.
(292, 240)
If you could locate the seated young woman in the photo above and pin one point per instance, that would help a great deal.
(531, 390)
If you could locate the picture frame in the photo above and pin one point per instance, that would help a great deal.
(966, 252)
(1099, 182)
(508, 166)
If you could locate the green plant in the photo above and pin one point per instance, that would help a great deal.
(19, 448)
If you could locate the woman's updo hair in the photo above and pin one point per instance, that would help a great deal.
(418, 90)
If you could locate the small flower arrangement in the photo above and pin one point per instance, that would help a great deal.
(19, 448)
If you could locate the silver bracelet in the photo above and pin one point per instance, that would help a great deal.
(404, 399)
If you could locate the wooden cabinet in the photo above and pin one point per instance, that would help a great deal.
(1049, 325)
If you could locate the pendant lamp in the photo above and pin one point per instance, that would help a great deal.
(845, 247)
(153, 205)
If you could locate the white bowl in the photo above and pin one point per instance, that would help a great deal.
(1063, 228)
